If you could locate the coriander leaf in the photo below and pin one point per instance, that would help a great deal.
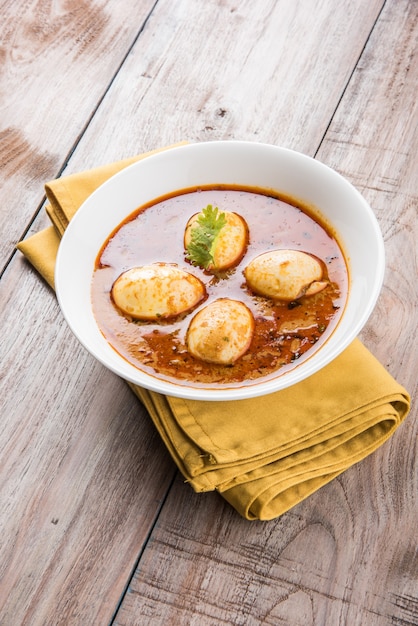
(203, 235)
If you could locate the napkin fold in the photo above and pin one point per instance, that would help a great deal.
(265, 454)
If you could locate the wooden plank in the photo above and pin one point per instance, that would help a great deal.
(79, 435)
(83, 471)
(347, 555)
(57, 61)
(324, 562)
(217, 69)
(373, 142)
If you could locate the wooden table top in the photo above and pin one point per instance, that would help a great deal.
(97, 526)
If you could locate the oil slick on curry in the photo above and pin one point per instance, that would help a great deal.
(223, 286)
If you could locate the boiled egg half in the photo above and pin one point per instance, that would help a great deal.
(285, 274)
(228, 244)
(157, 291)
(221, 332)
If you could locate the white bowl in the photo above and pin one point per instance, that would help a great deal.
(221, 162)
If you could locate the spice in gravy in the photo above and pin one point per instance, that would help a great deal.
(285, 333)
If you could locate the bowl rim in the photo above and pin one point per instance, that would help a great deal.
(191, 151)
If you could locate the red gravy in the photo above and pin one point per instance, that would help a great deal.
(285, 333)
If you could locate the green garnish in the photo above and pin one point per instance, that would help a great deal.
(203, 235)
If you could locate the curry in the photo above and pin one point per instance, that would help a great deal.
(283, 331)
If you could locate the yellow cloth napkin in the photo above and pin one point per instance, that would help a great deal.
(264, 455)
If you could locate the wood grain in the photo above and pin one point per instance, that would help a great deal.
(348, 554)
(83, 472)
(86, 491)
(373, 141)
(321, 563)
(57, 61)
(217, 69)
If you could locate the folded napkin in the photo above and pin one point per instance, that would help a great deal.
(264, 455)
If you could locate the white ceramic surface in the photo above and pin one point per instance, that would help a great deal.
(227, 162)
